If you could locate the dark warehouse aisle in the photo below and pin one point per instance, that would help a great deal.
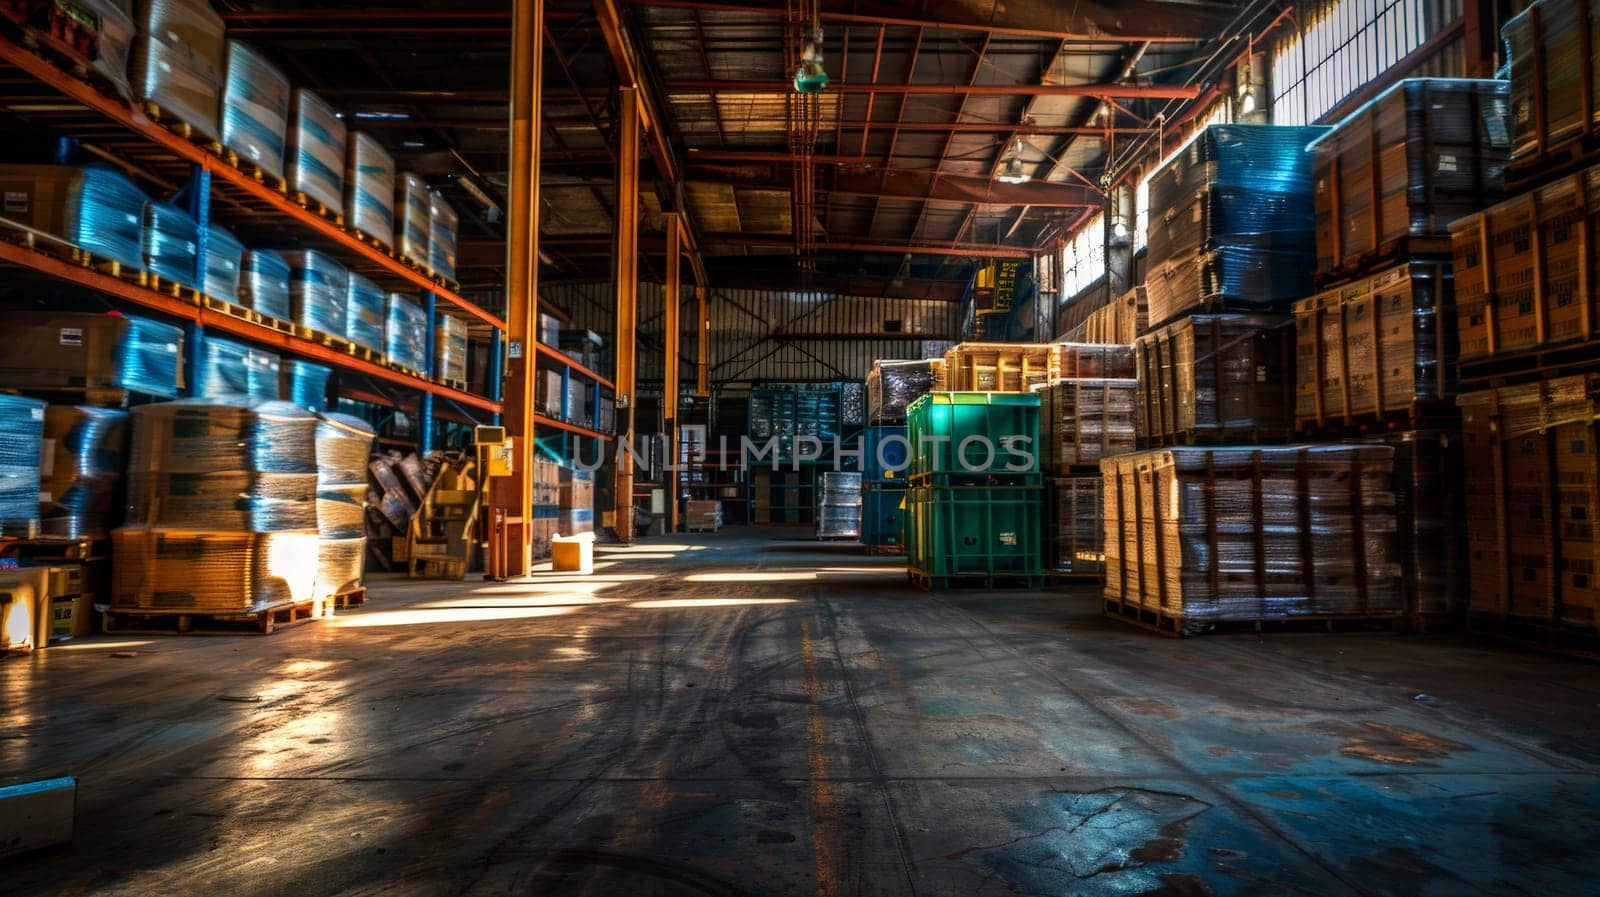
(736, 715)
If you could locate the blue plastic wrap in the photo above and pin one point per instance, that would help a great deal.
(171, 243)
(450, 348)
(255, 108)
(22, 420)
(364, 313)
(227, 368)
(79, 484)
(94, 208)
(442, 225)
(307, 384)
(316, 150)
(411, 217)
(405, 339)
(149, 357)
(83, 350)
(344, 445)
(177, 61)
(318, 291)
(224, 252)
(264, 283)
(369, 180)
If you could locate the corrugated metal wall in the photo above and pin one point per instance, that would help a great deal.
(770, 334)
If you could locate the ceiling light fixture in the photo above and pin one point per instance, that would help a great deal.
(1011, 170)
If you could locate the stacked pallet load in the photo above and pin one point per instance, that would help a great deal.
(316, 158)
(1198, 537)
(975, 500)
(839, 506)
(305, 383)
(1086, 415)
(98, 359)
(794, 429)
(255, 110)
(343, 445)
(891, 386)
(221, 518)
(83, 456)
(576, 501)
(177, 65)
(23, 420)
(450, 351)
(546, 500)
(1119, 323)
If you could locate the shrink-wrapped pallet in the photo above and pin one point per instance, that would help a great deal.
(344, 444)
(177, 62)
(1405, 165)
(68, 350)
(1083, 420)
(94, 208)
(306, 384)
(1000, 367)
(255, 108)
(839, 506)
(171, 244)
(1252, 534)
(316, 150)
(318, 291)
(364, 312)
(1074, 525)
(1382, 345)
(411, 218)
(85, 453)
(1544, 49)
(22, 419)
(450, 348)
(1429, 507)
(405, 332)
(224, 255)
(892, 385)
(442, 226)
(264, 278)
(1234, 224)
(369, 180)
(1217, 379)
(226, 368)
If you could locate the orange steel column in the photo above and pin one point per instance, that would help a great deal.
(669, 392)
(626, 270)
(522, 278)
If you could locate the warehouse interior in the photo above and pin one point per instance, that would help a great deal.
(824, 447)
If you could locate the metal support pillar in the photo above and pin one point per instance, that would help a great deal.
(512, 494)
(425, 406)
(669, 392)
(626, 277)
(702, 380)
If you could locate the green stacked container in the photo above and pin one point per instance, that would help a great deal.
(974, 509)
(882, 521)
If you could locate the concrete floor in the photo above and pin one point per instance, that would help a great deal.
(735, 715)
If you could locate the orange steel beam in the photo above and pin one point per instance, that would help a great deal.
(551, 422)
(1135, 91)
(891, 247)
(559, 357)
(221, 172)
(261, 334)
(626, 277)
(669, 392)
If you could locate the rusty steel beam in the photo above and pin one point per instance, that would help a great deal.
(929, 186)
(625, 274)
(1096, 23)
(1132, 91)
(890, 247)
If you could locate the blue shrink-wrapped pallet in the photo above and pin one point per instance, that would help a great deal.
(344, 445)
(318, 290)
(227, 368)
(316, 150)
(177, 62)
(73, 350)
(264, 283)
(96, 33)
(369, 180)
(405, 332)
(450, 348)
(364, 313)
(306, 383)
(221, 508)
(78, 487)
(22, 420)
(171, 243)
(1232, 221)
(255, 108)
(411, 217)
(224, 253)
(94, 208)
(442, 224)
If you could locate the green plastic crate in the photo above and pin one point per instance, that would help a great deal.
(882, 521)
(974, 531)
(938, 423)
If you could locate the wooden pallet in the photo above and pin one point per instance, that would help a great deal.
(1395, 252)
(1434, 414)
(930, 583)
(453, 384)
(187, 131)
(255, 171)
(222, 306)
(1538, 363)
(313, 205)
(1182, 627)
(264, 622)
(370, 240)
(355, 597)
